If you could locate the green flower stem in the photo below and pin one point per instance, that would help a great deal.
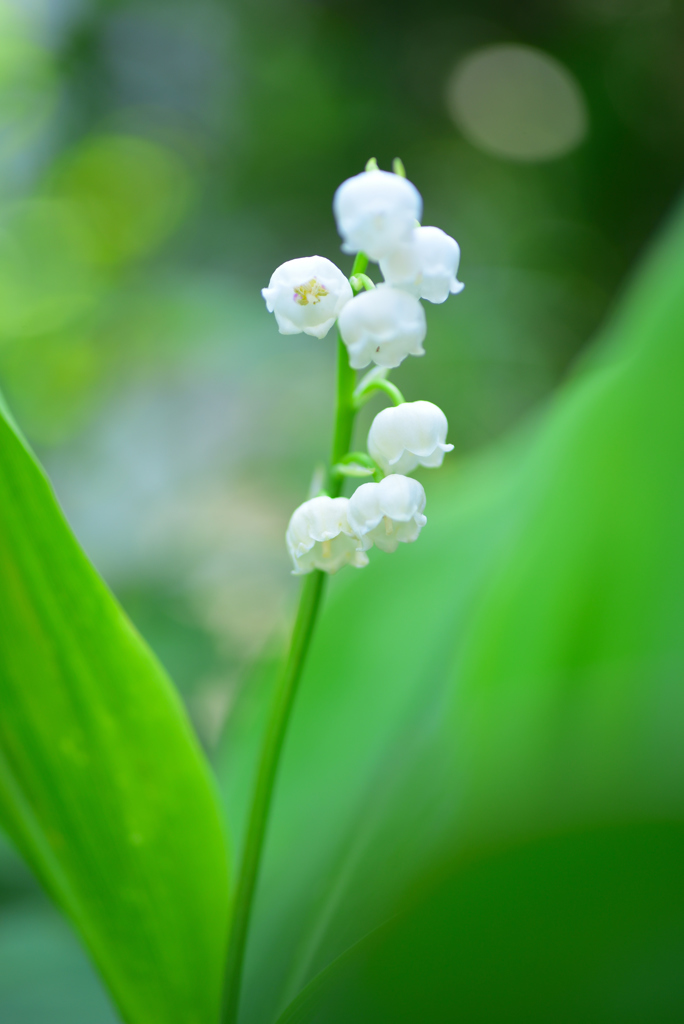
(361, 397)
(345, 408)
(359, 281)
(345, 411)
(352, 469)
(286, 689)
(347, 469)
(309, 603)
(359, 459)
(360, 266)
(357, 464)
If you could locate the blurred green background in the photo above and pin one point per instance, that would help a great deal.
(159, 160)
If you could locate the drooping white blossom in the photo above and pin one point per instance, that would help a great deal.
(307, 295)
(425, 265)
(382, 326)
(389, 513)
(376, 211)
(405, 436)
(319, 537)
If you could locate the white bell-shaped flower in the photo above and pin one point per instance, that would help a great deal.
(382, 326)
(426, 265)
(389, 513)
(405, 436)
(376, 211)
(319, 537)
(307, 295)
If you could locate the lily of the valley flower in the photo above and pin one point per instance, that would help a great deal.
(405, 436)
(382, 326)
(389, 513)
(376, 211)
(426, 265)
(319, 537)
(307, 295)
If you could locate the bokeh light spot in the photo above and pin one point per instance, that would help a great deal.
(45, 283)
(130, 194)
(517, 102)
(28, 87)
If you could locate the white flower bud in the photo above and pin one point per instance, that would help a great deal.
(383, 326)
(388, 513)
(307, 295)
(425, 265)
(319, 537)
(376, 211)
(408, 435)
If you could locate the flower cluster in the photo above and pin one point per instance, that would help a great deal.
(377, 215)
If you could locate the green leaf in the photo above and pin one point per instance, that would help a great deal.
(514, 675)
(102, 785)
(585, 927)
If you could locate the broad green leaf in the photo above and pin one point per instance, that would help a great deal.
(515, 674)
(584, 927)
(102, 785)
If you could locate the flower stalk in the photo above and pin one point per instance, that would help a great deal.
(286, 688)
(362, 394)
(376, 213)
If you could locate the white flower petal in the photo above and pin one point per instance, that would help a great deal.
(376, 211)
(408, 435)
(425, 264)
(307, 295)
(404, 463)
(382, 326)
(401, 497)
(388, 513)
(319, 537)
(389, 535)
(365, 510)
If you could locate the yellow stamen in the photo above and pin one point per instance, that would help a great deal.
(326, 549)
(389, 525)
(311, 292)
